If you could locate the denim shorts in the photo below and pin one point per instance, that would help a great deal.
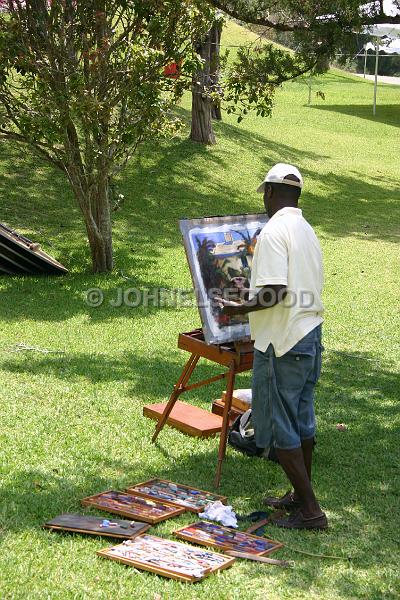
(283, 393)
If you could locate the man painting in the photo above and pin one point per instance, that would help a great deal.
(285, 314)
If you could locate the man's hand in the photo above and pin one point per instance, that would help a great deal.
(267, 297)
(228, 307)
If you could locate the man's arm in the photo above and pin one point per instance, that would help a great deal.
(266, 297)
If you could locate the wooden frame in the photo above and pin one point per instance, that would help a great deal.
(170, 488)
(191, 564)
(224, 538)
(142, 509)
(90, 525)
(236, 357)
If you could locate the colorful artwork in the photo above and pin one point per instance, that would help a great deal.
(210, 534)
(192, 499)
(220, 253)
(117, 528)
(167, 558)
(133, 506)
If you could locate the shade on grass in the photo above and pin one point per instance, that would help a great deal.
(71, 422)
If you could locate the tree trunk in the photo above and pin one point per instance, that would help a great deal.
(100, 238)
(100, 248)
(216, 32)
(96, 209)
(202, 130)
(104, 227)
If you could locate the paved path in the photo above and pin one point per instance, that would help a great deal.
(381, 78)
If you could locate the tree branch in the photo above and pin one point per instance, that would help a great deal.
(250, 17)
(11, 135)
(131, 29)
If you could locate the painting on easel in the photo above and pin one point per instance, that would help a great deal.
(220, 253)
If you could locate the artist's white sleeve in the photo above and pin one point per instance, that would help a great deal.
(272, 261)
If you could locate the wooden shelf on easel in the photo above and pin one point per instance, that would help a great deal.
(190, 419)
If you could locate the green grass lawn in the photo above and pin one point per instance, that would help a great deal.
(71, 422)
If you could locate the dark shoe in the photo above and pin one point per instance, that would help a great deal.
(287, 502)
(299, 521)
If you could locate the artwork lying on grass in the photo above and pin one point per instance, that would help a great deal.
(217, 536)
(133, 506)
(192, 499)
(167, 558)
(220, 253)
(117, 528)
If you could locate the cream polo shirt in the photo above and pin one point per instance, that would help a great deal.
(287, 253)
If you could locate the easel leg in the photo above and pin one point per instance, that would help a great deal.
(178, 388)
(225, 422)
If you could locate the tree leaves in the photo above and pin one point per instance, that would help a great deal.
(96, 62)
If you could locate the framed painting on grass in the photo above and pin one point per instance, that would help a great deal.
(167, 558)
(87, 524)
(133, 506)
(220, 253)
(217, 536)
(192, 499)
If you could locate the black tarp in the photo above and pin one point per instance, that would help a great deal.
(21, 256)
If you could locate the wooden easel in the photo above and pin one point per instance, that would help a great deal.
(238, 357)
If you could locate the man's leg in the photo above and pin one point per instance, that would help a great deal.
(310, 515)
(261, 409)
(289, 375)
(306, 414)
(294, 424)
(307, 447)
(292, 462)
(291, 500)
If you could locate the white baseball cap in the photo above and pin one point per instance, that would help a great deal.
(278, 174)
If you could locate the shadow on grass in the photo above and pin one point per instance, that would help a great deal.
(385, 113)
(36, 201)
(356, 471)
(357, 391)
(60, 298)
(161, 185)
(355, 207)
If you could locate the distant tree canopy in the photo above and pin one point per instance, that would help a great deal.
(308, 16)
(315, 30)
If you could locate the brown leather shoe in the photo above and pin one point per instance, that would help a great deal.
(287, 502)
(298, 521)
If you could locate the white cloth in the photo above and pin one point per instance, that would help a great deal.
(244, 395)
(220, 513)
(287, 253)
